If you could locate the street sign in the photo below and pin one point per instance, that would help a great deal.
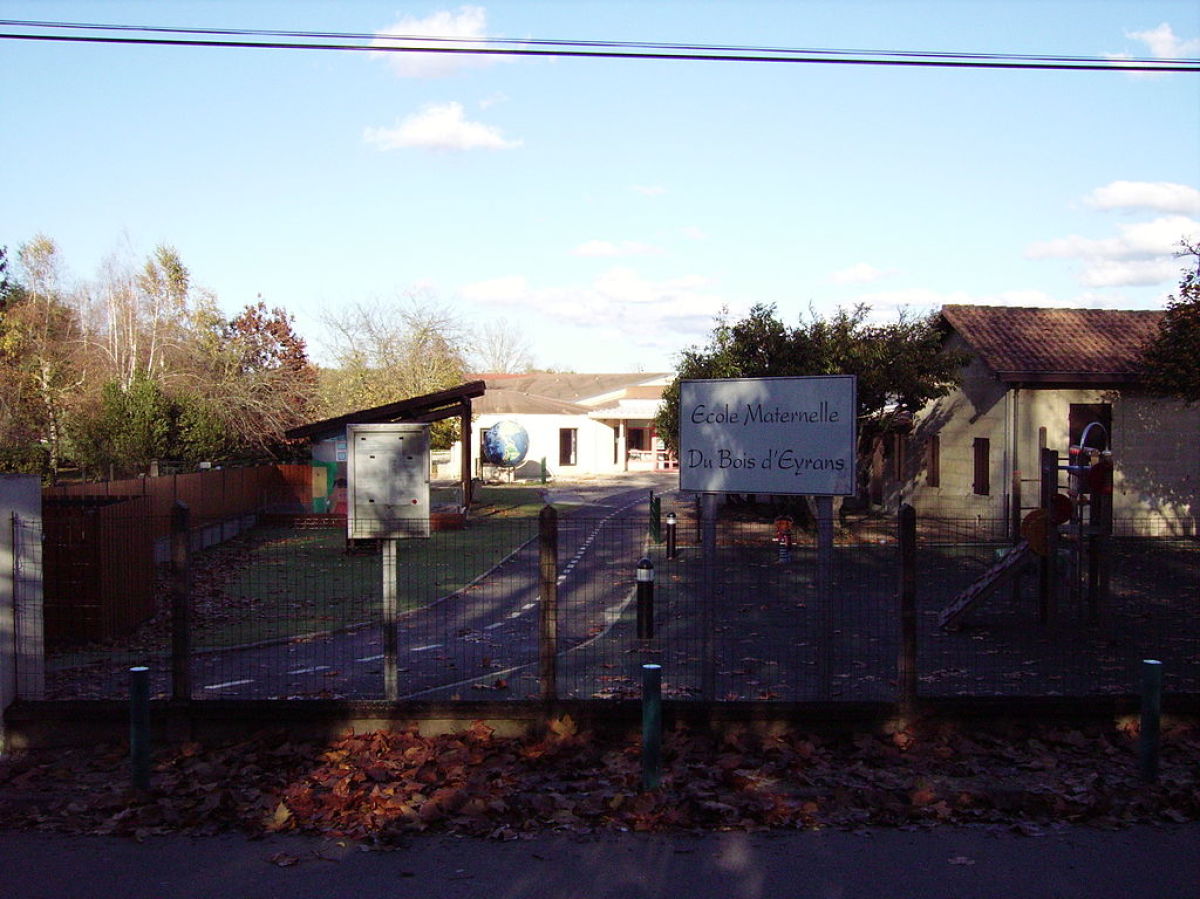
(793, 436)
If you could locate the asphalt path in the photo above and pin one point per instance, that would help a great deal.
(481, 642)
(954, 863)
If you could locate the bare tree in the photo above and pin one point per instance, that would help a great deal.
(501, 348)
(388, 352)
(44, 332)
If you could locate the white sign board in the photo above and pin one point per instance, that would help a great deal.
(769, 435)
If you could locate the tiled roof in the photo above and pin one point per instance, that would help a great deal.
(503, 400)
(1056, 345)
(568, 387)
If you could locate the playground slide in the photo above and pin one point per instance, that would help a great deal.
(1008, 564)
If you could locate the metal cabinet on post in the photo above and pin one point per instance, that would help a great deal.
(388, 473)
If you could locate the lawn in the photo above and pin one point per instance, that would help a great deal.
(275, 582)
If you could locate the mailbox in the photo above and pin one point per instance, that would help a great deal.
(387, 467)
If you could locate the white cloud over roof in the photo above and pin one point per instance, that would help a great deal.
(1142, 254)
(618, 304)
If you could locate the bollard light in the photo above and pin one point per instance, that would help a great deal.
(672, 521)
(645, 599)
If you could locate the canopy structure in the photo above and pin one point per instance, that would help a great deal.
(431, 407)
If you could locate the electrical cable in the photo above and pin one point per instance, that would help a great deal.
(312, 40)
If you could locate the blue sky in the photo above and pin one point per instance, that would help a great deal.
(608, 209)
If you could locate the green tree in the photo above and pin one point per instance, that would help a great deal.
(129, 428)
(900, 366)
(1172, 361)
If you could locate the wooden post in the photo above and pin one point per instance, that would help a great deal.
(465, 429)
(548, 619)
(181, 603)
(391, 682)
(1048, 570)
(907, 669)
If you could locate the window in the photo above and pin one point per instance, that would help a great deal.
(638, 439)
(1084, 414)
(933, 462)
(568, 446)
(983, 466)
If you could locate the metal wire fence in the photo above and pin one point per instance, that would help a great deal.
(285, 612)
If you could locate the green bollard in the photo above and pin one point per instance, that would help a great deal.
(651, 726)
(655, 518)
(139, 727)
(1151, 718)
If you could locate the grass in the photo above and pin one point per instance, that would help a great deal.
(281, 582)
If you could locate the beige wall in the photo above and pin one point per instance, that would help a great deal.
(1156, 452)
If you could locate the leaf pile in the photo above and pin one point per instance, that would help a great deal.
(378, 787)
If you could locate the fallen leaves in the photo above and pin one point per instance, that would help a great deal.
(377, 787)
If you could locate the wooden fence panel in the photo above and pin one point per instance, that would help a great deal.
(98, 566)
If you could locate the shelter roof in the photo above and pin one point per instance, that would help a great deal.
(1056, 346)
(449, 403)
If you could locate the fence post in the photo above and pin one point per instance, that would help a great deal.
(548, 592)
(907, 672)
(139, 727)
(181, 603)
(651, 726)
(1151, 718)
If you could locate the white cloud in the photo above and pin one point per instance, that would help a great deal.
(460, 28)
(619, 304)
(1129, 272)
(692, 232)
(606, 248)
(1163, 43)
(439, 127)
(859, 273)
(1161, 196)
(1141, 255)
(1137, 240)
(648, 190)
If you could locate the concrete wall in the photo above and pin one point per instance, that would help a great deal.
(21, 660)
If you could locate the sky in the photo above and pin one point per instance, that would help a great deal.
(607, 210)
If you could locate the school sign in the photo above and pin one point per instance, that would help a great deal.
(769, 435)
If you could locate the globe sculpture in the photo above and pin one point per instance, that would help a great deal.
(505, 443)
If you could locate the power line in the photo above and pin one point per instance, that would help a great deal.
(339, 41)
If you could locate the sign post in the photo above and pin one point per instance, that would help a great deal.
(784, 436)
